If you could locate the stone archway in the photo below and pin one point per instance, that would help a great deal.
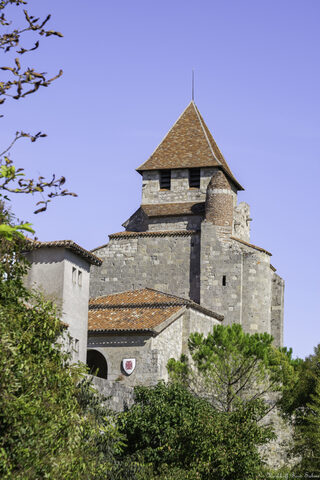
(97, 364)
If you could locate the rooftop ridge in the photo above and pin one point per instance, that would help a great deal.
(69, 244)
(131, 304)
(205, 133)
(93, 306)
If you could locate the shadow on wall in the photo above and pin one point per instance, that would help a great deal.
(97, 364)
(194, 292)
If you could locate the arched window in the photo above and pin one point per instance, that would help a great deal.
(97, 364)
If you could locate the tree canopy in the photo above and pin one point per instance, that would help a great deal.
(178, 435)
(230, 367)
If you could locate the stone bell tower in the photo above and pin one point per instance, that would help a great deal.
(190, 238)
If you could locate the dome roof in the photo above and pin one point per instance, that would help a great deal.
(219, 181)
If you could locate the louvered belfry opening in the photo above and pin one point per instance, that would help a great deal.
(194, 177)
(165, 179)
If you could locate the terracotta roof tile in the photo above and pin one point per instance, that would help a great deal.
(162, 233)
(136, 318)
(144, 296)
(188, 144)
(68, 244)
(137, 310)
(173, 209)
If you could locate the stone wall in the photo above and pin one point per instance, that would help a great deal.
(150, 350)
(118, 396)
(179, 191)
(235, 280)
(63, 277)
(276, 452)
(241, 224)
(256, 292)
(277, 307)
(166, 263)
(116, 347)
(187, 222)
(221, 272)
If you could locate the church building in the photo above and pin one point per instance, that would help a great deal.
(189, 238)
(183, 263)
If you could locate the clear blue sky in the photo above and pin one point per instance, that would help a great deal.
(127, 77)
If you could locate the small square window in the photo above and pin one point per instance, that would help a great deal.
(165, 179)
(194, 178)
(74, 275)
(79, 278)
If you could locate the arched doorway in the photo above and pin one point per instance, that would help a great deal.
(97, 364)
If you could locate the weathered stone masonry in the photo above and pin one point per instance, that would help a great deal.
(168, 262)
(194, 242)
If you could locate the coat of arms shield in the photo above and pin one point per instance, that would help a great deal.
(128, 365)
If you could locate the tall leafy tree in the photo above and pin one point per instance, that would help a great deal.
(307, 436)
(302, 405)
(297, 397)
(230, 368)
(51, 423)
(177, 435)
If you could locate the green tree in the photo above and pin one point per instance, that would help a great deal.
(51, 423)
(231, 368)
(302, 405)
(300, 394)
(177, 435)
(307, 436)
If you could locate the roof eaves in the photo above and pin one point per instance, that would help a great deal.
(121, 330)
(161, 233)
(69, 245)
(251, 245)
(206, 311)
(166, 323)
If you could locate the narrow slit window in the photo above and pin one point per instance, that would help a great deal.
(194, 178)
(74, 275)
(79, 278)
(224, 280)
(165, 179)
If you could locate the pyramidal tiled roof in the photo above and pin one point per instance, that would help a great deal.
(189, 144)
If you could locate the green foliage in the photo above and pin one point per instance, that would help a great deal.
(51, 422)
(180, 436)
(230, 367)
(299, 395)
(303, 403)
(9, 232)
(307, 436)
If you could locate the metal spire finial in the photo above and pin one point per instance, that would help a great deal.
(192, 85)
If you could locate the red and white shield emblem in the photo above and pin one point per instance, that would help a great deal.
(128, 365)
